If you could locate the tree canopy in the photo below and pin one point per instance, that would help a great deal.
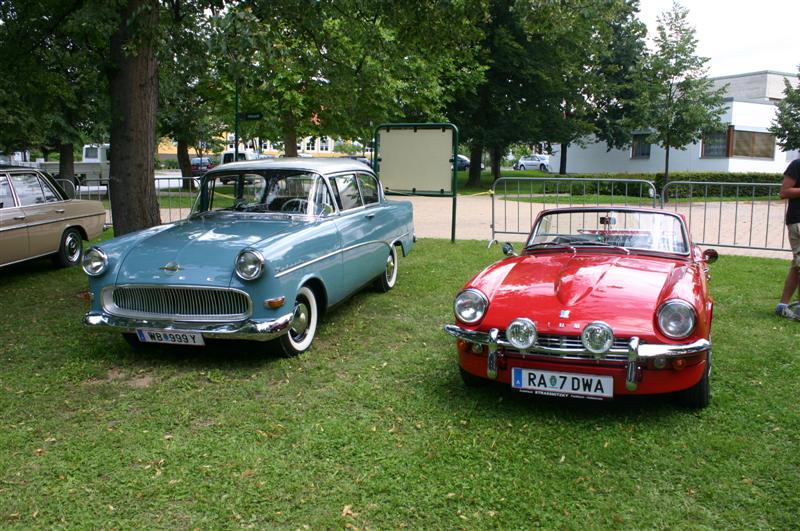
(786, 126)
(681, 103)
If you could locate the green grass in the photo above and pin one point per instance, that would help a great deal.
(372, 428)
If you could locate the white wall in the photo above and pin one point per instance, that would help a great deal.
(593, 158)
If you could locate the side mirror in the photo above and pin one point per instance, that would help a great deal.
(710, 256)
(508, 249)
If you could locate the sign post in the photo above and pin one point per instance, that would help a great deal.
(418, 159)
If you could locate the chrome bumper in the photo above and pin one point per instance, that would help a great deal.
(637, 352)
(251, 329)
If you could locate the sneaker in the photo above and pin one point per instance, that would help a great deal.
(788, 311)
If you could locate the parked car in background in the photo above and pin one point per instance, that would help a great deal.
(462, 163)
(261, 258)
(38, 219)
(200, 165)
(533, 162)
(601, 302)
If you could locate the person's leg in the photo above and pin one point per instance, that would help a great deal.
(790, 284)
(792, 276)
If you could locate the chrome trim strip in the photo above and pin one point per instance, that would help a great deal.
(59, 220)
(251, 329)
(109, 306)
(334, 253)
(642, 352)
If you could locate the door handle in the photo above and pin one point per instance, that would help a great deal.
(59, 211)
(19, 218)
(370, 215)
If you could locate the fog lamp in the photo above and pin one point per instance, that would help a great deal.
(597, 337)
(521, 333)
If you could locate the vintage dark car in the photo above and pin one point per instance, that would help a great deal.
(38, 219)
(269, 246)
(601, 302)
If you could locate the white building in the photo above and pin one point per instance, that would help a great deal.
(745, 146)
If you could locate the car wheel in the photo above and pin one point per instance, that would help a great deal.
(470, 380)
(388, 279)
(522, 167)
(699, 395)
(542, 167)
(304, 324)
(70, 251)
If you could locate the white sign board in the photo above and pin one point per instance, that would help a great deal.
(416, 159)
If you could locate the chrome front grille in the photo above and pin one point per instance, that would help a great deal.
(177, 303)
(569, 347)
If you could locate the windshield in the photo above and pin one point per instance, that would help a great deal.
(648, 231)
(268, 191)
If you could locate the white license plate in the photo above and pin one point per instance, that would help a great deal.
(171, 338)
(562, 383)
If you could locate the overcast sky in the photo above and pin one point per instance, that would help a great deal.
(739, 36)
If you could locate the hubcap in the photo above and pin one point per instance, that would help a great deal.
(73, 247)
(300, 321)
(390, 267)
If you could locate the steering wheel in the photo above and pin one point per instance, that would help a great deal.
(295, 205)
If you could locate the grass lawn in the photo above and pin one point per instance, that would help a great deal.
(373, 428)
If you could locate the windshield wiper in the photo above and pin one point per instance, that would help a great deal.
(556, 245)
(604, 244)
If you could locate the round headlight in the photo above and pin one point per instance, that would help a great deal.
(249, 264)
(521, 333)
(676, 319)
(597, 337)
(95, 262)
(470, 305)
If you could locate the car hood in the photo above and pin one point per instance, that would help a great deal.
(199, 251)
(566, 291)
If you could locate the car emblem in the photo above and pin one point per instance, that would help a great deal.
(171, 266)
(564, 314)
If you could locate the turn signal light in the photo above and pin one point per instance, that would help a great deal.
(678, 363)
(274, 303)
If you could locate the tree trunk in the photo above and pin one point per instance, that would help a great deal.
(475, 154)
(133, 82)
(184, 163)
(289, 134)
(496, 154)
(66, 166)
(562, 164)
(45, 153)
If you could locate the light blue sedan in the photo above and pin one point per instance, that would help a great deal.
(268, 247)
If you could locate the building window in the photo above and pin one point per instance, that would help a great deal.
(323, 143)
(640, 148)
(751, 144)
(715, 145)
(310, 143)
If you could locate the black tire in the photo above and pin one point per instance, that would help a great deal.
(521, 167)
(304, 325)
(470, 380)
(542, 167)
(70, 250)
(388, 278)
(699, 395)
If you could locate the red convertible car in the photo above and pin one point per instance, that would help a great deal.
(601, 302)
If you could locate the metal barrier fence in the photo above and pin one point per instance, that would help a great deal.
(522, 198)
(721, 214)
(740, 215)
(175, 195)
